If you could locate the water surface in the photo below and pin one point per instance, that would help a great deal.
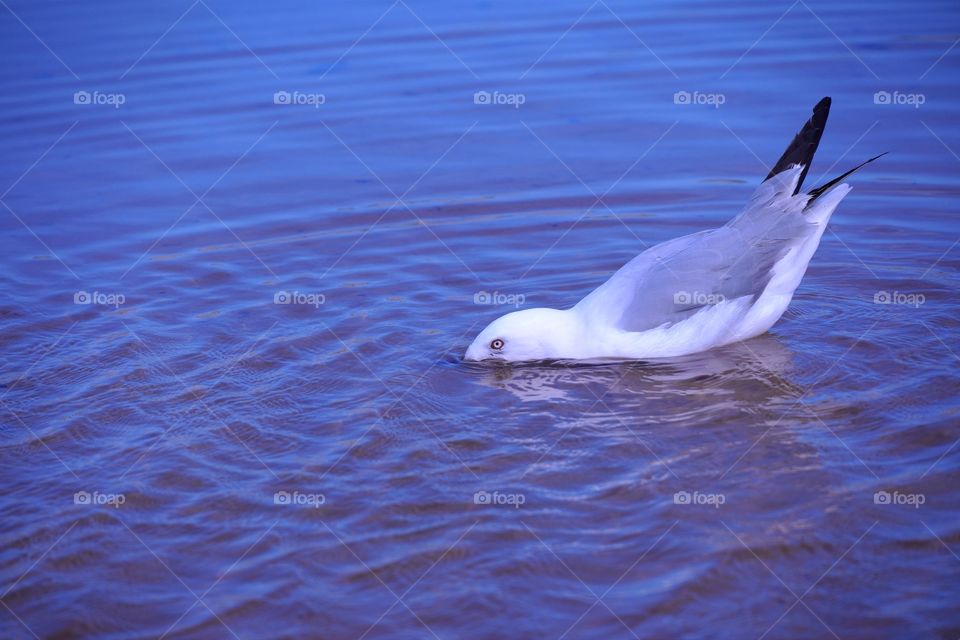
(257, 423)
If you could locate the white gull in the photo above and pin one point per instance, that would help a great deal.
(692, 293)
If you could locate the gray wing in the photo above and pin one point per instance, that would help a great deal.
(674, 280)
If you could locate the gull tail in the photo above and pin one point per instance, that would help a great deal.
(804, 145)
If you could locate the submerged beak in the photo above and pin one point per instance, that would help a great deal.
(474, 353)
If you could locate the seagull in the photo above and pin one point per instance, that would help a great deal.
(692, 293)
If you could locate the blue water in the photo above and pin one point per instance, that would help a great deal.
(243, 245)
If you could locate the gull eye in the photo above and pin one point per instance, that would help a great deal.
(497, 344)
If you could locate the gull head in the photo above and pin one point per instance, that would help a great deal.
(529, 334)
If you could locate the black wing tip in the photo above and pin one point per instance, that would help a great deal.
(819, 191)
(804, 145)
